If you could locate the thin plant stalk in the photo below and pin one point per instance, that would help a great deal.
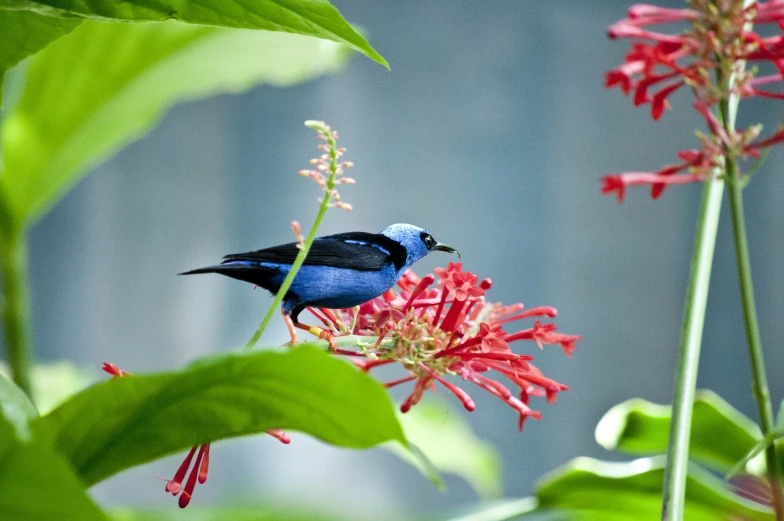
(760, 381)
(303, 252)
(676, 469)
(674, 491)
(16, 307)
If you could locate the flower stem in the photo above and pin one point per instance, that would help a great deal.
(16, 305)
(303, 252)
(760, 385)
(674, 491)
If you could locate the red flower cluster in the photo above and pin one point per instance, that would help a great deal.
(704, 57)
(200, 468)
(451, 330)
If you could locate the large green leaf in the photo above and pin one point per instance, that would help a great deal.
(25, 33)
(106, 84)
(450, 446)
(38, 484)
(16, 408)
(55, 382)
(501, 510)
(720, 434)
(128, 421)
(307, 17)
(596, 490)
(35, 481)
(226, 513)
(586, 489)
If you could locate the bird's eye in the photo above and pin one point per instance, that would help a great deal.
(429, 241)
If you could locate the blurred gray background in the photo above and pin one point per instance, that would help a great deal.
(492, 130)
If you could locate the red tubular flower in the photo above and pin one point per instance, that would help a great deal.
(450, 331)
(201, 467)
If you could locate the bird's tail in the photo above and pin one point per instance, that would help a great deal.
(207, 269)
(255, 273)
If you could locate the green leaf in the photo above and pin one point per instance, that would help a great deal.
(414, 456)
(306, 17)
(128, 421)
(450, 446)
(720, 434)
(25, 33)
(16, 408)
(54, 382)
(503, 510)
(759, 447)
(38, 484)
(79, 107)
(595, 490)
(222, 514)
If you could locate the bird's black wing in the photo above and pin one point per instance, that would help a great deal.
(354, 250)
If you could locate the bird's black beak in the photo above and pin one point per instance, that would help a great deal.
(448, 249)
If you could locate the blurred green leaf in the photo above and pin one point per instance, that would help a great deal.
(758, 448)
(223, 514)
(590, 489)
(16, 408)
(450, 446)
(501, 511)
(36, 482)
(106, 84)
(307, 17)
(25, 33)
(720, 434)
(54, 382)
(414, 456)
(128, 421)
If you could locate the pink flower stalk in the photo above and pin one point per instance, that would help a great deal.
(450, 331)
(327, 163)
(713, 45)
(202, 464)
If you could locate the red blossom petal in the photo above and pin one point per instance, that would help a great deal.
(205, 464)
(114, 370)
(619, 182)
(661, 14)
(187, 492)
(420, 288)
(614, 183)
(173, 486)
(659, 102)
(776, 138)
(280, 435)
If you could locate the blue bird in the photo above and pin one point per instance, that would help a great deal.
(340, 271)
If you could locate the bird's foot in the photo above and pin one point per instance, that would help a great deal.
(324, 334)
(292, 332)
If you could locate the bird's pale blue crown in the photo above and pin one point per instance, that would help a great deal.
(417, 241)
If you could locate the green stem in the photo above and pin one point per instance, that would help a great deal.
(303, 252)
(16, 308)
(674, 491)
(760, 385)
